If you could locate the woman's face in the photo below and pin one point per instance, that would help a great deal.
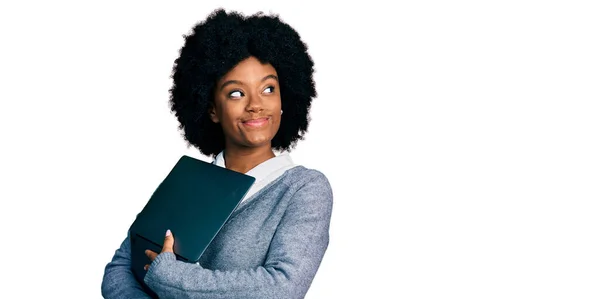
(248, 104)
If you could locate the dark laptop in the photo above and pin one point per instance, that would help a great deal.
(194, 201)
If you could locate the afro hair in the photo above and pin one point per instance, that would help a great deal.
(217, 45)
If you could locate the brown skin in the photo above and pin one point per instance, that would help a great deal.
(247, 104)
(249, 91)
(167, 247)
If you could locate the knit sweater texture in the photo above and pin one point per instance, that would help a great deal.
(271, 247)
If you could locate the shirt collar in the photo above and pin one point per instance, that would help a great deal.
(264, 169)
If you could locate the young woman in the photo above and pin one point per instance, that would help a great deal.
(242, 91)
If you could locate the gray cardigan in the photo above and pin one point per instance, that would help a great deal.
(271, 247)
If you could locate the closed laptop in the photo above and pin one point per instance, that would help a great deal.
(194, 201)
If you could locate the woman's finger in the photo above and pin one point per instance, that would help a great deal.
(151, 254)
(169, 241)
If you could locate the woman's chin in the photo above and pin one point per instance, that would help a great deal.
(258, 141)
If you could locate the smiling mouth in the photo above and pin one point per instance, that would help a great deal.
(256, 122)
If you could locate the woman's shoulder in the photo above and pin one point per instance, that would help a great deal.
(300, 176)
(309, 187)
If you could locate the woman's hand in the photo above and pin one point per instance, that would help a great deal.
(167, 247)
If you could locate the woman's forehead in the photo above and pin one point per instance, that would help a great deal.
(250, 69)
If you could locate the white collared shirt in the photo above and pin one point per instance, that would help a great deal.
(265, 172)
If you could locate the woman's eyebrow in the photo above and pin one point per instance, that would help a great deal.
(270, 77)
(229, 82)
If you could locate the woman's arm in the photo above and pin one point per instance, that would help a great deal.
(118, 281)
(292, 261)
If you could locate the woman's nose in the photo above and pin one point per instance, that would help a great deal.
(254, 103)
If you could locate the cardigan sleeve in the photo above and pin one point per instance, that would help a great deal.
(118, 281)
(294, 255)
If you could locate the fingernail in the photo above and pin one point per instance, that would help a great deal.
(168, 232)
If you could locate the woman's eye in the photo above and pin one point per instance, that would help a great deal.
(236, 94)
(269, 89)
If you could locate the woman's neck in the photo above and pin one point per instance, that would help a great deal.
(242, 160)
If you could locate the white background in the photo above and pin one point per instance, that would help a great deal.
(461, 140)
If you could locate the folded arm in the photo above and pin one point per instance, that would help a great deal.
(294, 256)
(118, 281)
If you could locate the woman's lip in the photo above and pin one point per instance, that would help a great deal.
(256, 122)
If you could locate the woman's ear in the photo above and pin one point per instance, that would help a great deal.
(213, 113)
